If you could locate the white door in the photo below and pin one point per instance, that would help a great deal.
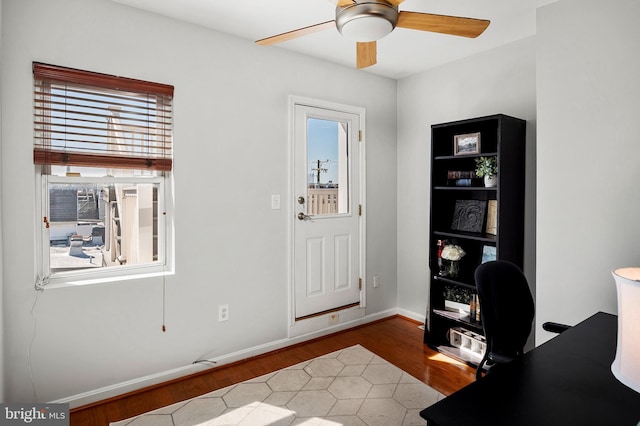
(326, 196)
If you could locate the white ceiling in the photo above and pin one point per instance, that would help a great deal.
(401, 53)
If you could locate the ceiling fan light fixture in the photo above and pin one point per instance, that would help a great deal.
(367, 21)
(366, 29)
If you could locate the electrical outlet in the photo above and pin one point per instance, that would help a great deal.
(223, 312)
(376, 281)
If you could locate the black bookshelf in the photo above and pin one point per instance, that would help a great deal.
(502, 137)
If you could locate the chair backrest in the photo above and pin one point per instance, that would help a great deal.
(507, 307)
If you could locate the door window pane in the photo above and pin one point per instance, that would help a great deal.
(328, 167)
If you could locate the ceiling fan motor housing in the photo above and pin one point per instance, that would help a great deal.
(367, 20)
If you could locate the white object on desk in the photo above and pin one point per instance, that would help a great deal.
(626, 365)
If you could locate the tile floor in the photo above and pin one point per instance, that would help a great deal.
(351, 387)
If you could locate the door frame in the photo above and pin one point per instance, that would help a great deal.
(337, 318)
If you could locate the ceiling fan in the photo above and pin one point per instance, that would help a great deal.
(366, 21)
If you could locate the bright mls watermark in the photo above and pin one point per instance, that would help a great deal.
(34, 414)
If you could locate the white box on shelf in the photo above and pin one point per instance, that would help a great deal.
(467, 341)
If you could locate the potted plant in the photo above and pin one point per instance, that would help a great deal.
(487, 167)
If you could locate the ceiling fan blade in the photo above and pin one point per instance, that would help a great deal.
(394, 2)
(343, 3)
(290, 35)
(366, 54)
(452, 25)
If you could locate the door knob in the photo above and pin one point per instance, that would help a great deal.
(302, 216)
(300, 200)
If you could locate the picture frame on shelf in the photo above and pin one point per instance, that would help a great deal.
(466, 144)
(488, 253)
(468, 215)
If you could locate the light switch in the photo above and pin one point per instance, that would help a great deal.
(275, 201)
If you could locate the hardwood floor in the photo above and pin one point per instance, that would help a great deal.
(396, 339)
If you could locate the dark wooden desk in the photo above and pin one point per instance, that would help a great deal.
(565, 381)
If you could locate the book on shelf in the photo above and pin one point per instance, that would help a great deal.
(462, 178)
(492, 217)
(461, 174)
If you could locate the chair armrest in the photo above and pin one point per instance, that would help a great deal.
(555, 327)
(490, 361)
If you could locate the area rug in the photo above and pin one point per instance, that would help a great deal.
(352, 386)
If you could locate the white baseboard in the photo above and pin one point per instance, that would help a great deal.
(160, 377)
(412, 315)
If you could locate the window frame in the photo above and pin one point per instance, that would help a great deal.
(163, 177)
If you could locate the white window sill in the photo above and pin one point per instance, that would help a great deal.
(92, 279)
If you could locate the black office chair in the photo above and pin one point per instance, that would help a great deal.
(507, 312)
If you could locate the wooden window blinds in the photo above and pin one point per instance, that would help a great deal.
(88, 119)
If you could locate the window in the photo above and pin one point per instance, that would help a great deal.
(103, 147)
(328, 167)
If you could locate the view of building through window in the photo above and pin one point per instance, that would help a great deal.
(95, 225)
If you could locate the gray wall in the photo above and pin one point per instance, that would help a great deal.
(588, 81)
(498, 81)
(231, 119)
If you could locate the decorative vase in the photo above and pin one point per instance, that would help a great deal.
(453, 268)
(626, 365)
(490, 181)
